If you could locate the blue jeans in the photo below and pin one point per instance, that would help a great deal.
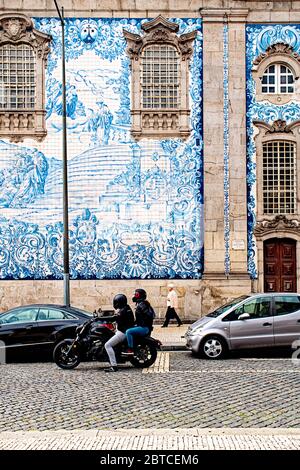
(136, 331)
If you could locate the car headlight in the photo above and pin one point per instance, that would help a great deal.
(198, 329)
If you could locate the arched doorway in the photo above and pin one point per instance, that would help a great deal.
(280, 265)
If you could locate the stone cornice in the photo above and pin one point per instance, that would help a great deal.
(17, 28)
(159, 30)
(278, 126)
(275, 50)
(218, 15)
(279, 224)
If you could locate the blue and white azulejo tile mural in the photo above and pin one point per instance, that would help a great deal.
(258, 39)
(135, 208)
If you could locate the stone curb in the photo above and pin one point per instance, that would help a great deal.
(154, 439)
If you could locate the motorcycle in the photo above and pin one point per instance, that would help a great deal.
(89, 342)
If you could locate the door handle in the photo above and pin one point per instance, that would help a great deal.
(267, 324)
(29, 327)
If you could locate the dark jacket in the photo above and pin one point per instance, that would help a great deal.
(144, 314)
(124, 319)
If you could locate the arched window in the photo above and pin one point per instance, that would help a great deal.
(279, 177)
(278, 78)
(160, 80)
(17, 77)
(160, 77)
(276, 74)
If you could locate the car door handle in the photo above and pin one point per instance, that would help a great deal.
(29, 327)
(267, 324)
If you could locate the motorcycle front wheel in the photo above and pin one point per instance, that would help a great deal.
(144, 356)
(63, 357)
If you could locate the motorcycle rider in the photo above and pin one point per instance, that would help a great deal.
(144, 316)
(124, 320)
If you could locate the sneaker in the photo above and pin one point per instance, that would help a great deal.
(180, 324)
(164, 326)
(111, 369)
(129, 352)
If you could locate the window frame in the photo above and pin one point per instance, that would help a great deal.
(17, 29)
(265, 133)
(293, 192)
(281, 54)
(160, 123)
(284, 296)
(152, 74)
(277, 79)
(271, 310)
(28, 77)
(20, 309)
(55, 319)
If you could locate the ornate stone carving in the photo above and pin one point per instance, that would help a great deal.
(160, 30)
(275, 49)
(278, 126)
(159, 123)
(279, 223)
(16, 28)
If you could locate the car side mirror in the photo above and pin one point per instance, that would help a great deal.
(244, 316)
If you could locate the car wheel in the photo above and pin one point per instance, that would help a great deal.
(213, 347)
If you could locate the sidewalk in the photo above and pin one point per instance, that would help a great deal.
(171, 337)
(155, 439)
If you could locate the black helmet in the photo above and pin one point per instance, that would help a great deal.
(120, 301)
(140, 294)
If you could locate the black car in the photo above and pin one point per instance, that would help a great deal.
(34, 330)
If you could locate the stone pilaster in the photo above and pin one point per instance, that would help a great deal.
(214, 249)
(213, 104)
(237, 143)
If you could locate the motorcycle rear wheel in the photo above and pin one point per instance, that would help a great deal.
(64, 360)
(144, 356)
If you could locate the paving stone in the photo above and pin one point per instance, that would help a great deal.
(193, 393)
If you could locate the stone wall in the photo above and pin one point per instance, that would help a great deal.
(196, 298)
(259, 11)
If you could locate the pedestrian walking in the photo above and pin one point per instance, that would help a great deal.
(172, 305)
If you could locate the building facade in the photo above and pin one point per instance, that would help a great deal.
(183, 150)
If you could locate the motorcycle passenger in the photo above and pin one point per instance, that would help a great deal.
(124, 320)
(144, 315)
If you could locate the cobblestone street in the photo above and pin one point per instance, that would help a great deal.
(180, 391)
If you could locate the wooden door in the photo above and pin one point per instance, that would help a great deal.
(280, 265)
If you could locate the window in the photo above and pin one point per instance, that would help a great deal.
(286, 304)
(160, 77)
(53, 314)
(279, 182)
(257, 308)
(159, 86)
(17, 77)
(227, 306)
(278, 78)
(19, 316)
(23, 56)
(276, 74)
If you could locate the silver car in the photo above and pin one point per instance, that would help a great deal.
(253, 321)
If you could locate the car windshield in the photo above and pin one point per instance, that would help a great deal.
(227, 306)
